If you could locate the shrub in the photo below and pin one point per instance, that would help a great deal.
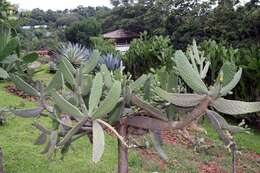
(147, 53)
(104, 46)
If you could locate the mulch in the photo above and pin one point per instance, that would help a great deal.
(13, 90)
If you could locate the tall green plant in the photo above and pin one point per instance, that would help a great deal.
(217, 55)
(146, 53)
(249, 59)
(104, 46)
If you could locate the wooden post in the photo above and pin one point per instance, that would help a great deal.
(122, 149)
(1, 161)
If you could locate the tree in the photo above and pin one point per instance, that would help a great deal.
(80, 32)
(66, 20)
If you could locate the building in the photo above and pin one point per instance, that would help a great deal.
(121, 38)
(34, 27)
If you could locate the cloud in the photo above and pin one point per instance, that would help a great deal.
(58, 4)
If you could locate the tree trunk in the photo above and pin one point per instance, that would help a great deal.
(1, 161)
(122, 149)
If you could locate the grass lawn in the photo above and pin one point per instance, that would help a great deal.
(21, 156)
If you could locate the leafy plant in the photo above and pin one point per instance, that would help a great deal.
(146, 53)
(217, 55)
(11, 60)
(7, 11)
(249, 59)
(104, 46)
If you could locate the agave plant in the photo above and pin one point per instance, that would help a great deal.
(75, 53)
(112, 62)
(210, 101)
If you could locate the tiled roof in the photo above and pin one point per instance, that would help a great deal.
(120, 33)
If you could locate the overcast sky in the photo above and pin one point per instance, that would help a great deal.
(58, 4)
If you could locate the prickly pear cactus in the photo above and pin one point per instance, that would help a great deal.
(213, 98)
(81, 102)
(85, 101)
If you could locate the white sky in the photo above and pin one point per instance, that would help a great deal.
(58, 4)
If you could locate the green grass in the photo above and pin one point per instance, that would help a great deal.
(21, 156)
(43, 74)
(246, 141)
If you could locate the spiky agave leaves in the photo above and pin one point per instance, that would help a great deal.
(112, 62)
(75, 53)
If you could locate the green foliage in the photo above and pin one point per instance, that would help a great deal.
(249, 60)
(11, 60)
(232, 83)
(41, 38)
(7, 11)
(236, 107)
(30, 58)
(147, 53)
(3, 74)
(104, 46)
(81, 32)
(218, 54)
(75, 113)
(182, 100)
